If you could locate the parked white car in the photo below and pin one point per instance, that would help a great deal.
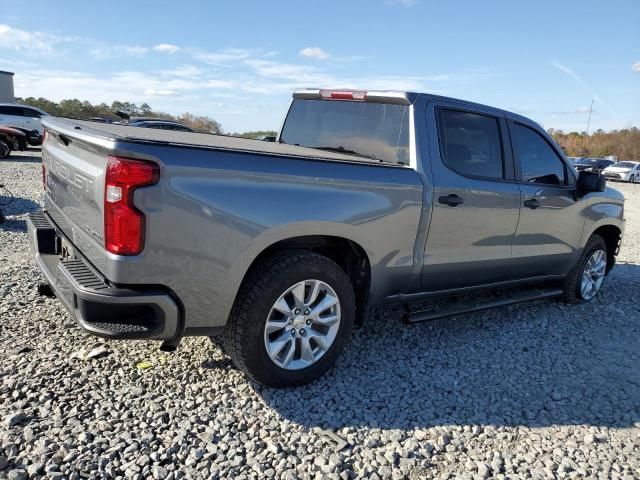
(623, 172)
(23, 116)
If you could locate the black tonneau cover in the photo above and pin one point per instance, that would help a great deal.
(99, 132)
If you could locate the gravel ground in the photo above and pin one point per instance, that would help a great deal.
(537, 390)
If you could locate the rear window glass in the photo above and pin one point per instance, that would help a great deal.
(377, 131)
(471, 144)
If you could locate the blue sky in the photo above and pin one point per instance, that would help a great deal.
(238, 61)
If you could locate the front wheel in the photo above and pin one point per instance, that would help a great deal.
(586, 278)
(5, 150)
(292, 317)
(632, 179)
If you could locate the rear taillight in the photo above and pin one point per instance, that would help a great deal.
(124, 224)
(355, 95)
(44, 136)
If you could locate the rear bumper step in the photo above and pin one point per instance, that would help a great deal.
(99, 307)
(507, 298)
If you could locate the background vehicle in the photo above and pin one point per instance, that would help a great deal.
(14, 139)
(22, 116)
(34, 138)
(152, 122)
(367, 198)
(162, 125)
(623, 171)
(266, 138)
(596, 165)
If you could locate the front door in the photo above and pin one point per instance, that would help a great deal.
(476, 200)
(550, 224)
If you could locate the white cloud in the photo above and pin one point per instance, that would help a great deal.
(166, 48)
(183, 71)
(404, 3)
(160, 93)
(636, 66)
(22, 40)
(315, 52)
(222, 56)
(580, 81)
(115, 51)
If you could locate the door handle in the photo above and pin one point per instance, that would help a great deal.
(452, 200)
(532, 203)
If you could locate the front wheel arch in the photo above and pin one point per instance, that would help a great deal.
(612, 237)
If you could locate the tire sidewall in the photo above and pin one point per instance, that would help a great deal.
(595, 243)
(259, 360)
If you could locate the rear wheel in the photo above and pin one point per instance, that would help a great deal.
(586, 278)
(291, 319)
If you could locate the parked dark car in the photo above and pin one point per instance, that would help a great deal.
(14, 139)
(152, 122)
(267, 138)
(34, 138)
(162, 125)
(596, 165)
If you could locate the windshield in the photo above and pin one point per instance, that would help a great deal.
(378, 131)
(624, 165)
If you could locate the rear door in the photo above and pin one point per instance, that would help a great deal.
(476, 200)
(551, 223)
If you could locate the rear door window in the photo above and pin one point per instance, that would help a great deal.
(470, 144)
(539, 162)
(30, 112)
(378, 131)
(15, 111)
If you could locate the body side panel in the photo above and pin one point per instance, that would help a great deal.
(213, 213)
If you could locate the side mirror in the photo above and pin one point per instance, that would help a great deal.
(591, 182)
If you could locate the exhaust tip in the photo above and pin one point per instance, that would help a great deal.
(170, 345)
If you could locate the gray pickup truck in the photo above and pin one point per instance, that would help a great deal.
(366, 197)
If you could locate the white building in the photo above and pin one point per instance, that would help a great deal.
(6, 87)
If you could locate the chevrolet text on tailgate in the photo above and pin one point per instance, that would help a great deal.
(365, 198)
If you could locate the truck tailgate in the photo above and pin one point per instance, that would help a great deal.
(74, 183)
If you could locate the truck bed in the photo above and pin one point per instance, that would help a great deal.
(102, 131)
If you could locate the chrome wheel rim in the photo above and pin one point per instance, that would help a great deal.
(302, 325)
(593, 274)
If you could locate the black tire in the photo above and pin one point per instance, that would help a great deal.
(5, 150)
(572, 284)
(632, 179)
(244, 332)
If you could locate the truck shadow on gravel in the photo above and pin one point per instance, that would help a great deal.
(22, 158)
(16, 208)
(536, 364)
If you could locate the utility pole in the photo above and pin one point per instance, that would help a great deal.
(589, 121)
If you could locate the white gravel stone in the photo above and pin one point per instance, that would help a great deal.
(536, 390)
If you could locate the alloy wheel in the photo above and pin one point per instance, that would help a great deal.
(302, 324)
(593, 274)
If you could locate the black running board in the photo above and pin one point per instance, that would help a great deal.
(508, 298)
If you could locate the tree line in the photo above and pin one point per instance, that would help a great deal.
(84, 110)
(624, 144)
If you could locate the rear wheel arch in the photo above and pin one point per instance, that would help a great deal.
(349, 255)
